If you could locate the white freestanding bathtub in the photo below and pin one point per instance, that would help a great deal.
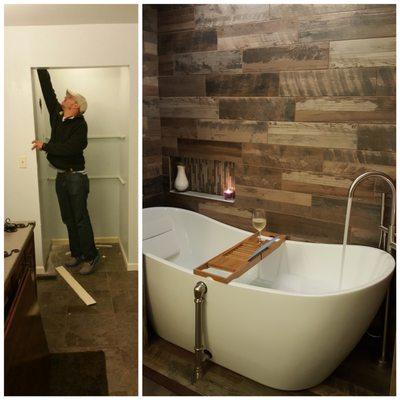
(285, 323)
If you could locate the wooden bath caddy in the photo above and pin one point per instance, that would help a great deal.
(234, 261)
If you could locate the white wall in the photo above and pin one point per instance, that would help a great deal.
(61, 46)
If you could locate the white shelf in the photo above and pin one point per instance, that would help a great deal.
(203, 195)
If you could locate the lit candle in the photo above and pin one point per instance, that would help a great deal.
(229, 194)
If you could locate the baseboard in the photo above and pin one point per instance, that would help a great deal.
(132, 267)
(99, 240)
(42, 273)
(129, 266)
(40, 270)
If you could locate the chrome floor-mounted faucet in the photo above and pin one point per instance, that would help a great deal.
(390, 243)
(387, 235)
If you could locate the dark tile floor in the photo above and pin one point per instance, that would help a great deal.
(109, 325)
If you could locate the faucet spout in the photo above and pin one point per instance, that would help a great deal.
(390, 244)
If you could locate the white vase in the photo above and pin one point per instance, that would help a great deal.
(181, 182)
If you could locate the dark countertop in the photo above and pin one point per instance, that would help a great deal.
(15, 240)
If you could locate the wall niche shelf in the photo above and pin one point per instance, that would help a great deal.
(207, 178)
(201, 195)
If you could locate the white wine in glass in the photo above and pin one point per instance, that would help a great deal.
(259, 222)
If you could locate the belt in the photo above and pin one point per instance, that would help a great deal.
(71, 171)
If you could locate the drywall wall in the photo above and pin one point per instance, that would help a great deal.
(300, 97)
(59, 46)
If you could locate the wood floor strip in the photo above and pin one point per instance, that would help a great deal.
(168, 383)
(76, 286)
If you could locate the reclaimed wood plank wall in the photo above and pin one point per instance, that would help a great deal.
(152, 161)
(300, 97)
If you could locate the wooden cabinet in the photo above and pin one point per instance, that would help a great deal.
(25, 346)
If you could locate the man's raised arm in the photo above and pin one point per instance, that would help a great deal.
(53, 106)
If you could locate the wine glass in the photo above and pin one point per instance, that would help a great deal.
(259, 221)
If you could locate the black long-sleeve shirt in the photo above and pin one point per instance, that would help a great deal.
(69, 137)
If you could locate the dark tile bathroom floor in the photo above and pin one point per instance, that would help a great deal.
(167, 372)
(110, 325)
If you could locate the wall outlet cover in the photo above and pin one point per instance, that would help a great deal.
(22, 162)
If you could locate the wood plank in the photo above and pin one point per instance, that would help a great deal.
(187, 41)
(151, 107)
(210, 150)
(296, 227)
(184, 128)
(278, 156)
(232, 131)
(213, 15)
(243, 85)
(364, 237)
(149, 18)
(151, 146)
(152, 166)
(174, 86)
(297, 10)
(150, 85)
(347, 109)
(286, 58)
(315, 183)
(354, 169)
(166, 65)
(260, 109)
(333, 82)
(363, 53)
(257, 34)
(188, 107)
(363, 215)
(150, 65)
(150, 38)
(386, 81)
(361, 156)
(250, 175)
(151, 127)
(76, 286)
(361, 24)
(273, 206)
(209, 62)
(281, 196)
(175, 20)
(313, 134)
(377, 137)
(169, 146)
(299, 228)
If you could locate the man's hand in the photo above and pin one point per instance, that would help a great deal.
(37, 144)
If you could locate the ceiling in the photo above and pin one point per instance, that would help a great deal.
(69, 14)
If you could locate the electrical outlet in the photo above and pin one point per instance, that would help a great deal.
(22, 162)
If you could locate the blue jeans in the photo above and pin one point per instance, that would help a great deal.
(72, 193)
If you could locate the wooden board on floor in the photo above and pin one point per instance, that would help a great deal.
(76, 286)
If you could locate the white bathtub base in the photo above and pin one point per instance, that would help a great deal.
(235, 319)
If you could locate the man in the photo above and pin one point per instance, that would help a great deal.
(65, 153)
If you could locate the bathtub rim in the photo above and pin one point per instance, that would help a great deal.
(270, 290)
